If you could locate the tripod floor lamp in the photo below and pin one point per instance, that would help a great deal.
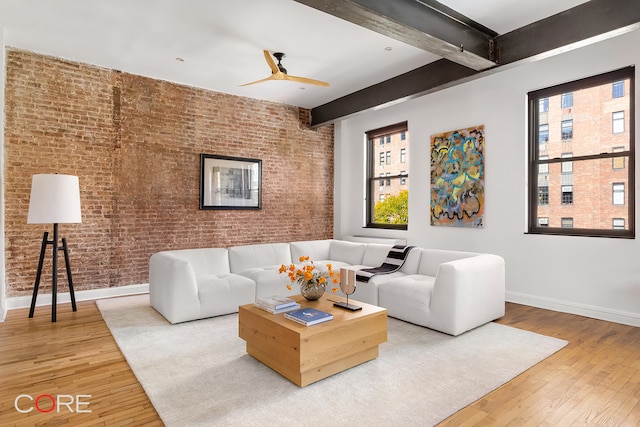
(55, 199)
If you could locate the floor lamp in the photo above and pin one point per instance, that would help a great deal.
(55, 199)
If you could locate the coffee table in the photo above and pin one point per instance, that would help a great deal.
(306, 354)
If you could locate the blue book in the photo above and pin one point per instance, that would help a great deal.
(308, 316)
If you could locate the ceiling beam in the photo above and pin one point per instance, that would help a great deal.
(582, 25)
(425, 24)
(585, 24)
(394, 90)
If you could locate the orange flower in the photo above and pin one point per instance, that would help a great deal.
(307, 273)
(334, 290)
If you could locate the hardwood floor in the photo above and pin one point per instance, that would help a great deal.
(74, 356)
(595, 380)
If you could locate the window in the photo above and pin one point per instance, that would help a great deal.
(567, 129)
(617, 224)
(544, 105)
(583, 195)
(543, 195)
(543, 168)
(567, 194)
(617, 162)
(618, 122)
(567, 167)
(618, 89)
(618, 193)
(567, 100)
(387, 197)
(543, 134)
(382, 140)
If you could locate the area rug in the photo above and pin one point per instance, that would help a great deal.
(198, 373)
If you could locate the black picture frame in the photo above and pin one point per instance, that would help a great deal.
(230, 182)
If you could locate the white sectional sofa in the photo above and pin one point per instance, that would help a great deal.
(449, 291)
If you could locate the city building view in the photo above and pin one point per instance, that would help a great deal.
(388, 175)
(591, 127)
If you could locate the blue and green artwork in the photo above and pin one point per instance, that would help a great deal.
(457, 178)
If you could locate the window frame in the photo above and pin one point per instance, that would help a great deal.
(534, 160)
(371, 179)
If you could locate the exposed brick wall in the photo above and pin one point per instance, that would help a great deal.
(135, 143)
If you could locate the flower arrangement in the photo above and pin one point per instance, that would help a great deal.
(308, 275)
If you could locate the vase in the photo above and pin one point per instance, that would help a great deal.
(312, 291)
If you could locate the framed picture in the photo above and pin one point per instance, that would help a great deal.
(230, 182)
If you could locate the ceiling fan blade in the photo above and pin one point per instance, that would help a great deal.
(275, 76)
(305, 80)
(259, 81)
(279, 73)
(271, 62)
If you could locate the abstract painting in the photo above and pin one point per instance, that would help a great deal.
(457, 178)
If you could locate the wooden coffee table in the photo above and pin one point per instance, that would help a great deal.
(306, 354)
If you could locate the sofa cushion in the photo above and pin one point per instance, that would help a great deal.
(314, 249)
(270, 282)
(407, 298)
(257, 256)
(431, 259)
(224, 293)
(348, 252)
(205, 260)
(375, 254)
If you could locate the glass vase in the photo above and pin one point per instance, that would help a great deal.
(312, 291)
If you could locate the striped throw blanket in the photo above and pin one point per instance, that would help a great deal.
(395, 259)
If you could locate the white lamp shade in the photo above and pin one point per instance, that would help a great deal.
(55, 199)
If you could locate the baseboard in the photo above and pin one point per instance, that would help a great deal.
(91, 294)
(623, 317)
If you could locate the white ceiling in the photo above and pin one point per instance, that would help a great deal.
(220, 42)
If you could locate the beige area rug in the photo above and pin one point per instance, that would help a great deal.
(198, 373)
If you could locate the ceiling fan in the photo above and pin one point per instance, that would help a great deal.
(278, 72)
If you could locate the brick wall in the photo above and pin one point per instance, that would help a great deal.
(135, 143)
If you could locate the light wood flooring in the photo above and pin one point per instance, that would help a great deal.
(593, 381)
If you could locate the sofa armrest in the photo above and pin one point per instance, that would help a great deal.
(468, 293)
(173, 288)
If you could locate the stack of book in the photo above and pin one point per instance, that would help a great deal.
(308, 316)
(276, 304)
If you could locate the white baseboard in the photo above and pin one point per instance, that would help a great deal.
(92, 294)
(623, 317)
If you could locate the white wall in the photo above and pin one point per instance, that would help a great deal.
(597, 277)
